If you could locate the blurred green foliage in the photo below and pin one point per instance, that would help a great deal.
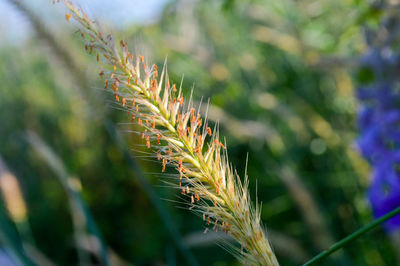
(277, 74)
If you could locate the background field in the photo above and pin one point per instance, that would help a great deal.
(280, 76)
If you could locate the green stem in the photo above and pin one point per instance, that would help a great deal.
(353, 236)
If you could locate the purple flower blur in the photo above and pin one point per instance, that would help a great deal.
(384, 193)
(379, 123)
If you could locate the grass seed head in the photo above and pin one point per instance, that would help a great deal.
(183, 141)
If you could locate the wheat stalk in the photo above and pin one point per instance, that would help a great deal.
(182, 140)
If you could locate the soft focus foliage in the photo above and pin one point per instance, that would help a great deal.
(277, 75)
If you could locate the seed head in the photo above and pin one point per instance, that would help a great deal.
(181, 140)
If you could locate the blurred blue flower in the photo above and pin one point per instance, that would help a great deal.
(384, 193)
(379, 124)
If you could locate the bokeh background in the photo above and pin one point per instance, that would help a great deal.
(280, 76)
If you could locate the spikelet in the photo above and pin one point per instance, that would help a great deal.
(182, 140)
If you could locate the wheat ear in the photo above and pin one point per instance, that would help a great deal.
(182, 140)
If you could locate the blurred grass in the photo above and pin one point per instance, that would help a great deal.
(277, 73)
(81, 217)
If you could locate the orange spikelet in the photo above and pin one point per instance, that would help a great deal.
(187, 189)
(209, 131)
(217, 190)
(197, 197)
(117, 97)
(153, 85)
(192, 199)
(180, 100)
(163, 165)
(183, 191)
(98, 58)
(180, 162)
(140, 122)
(67, 16)
(137, 108)
(148, 142)
(114, 67)
(174, 88)
(197, 150)
(105, 84)
(123, 101)
(158, 139)
(142, 61)
(155, 73)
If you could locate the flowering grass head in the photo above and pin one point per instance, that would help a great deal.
(172, 127)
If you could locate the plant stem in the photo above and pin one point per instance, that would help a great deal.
(353, 236)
